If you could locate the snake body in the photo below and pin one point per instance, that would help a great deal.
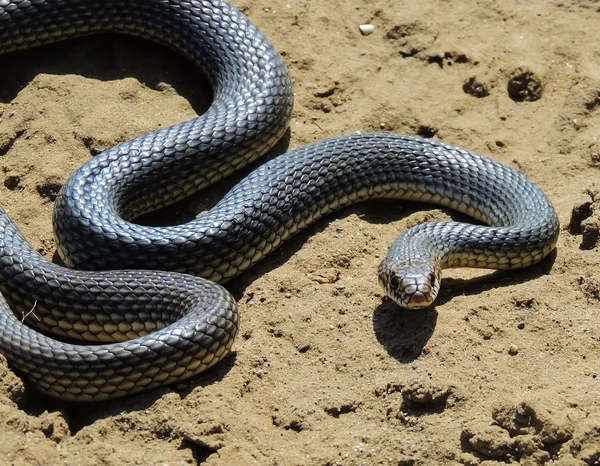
(157, 327)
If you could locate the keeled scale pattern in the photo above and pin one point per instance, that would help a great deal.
(271, 204)
(293, 190)
(250, 112)
(180, 324)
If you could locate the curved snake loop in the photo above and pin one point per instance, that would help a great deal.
(150, 328)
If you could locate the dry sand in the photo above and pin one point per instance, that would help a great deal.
(325, 371)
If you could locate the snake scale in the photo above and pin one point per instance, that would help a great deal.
(136, 328)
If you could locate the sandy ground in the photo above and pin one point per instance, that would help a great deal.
(325, 371)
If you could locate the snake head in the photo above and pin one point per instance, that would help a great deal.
(412, 283)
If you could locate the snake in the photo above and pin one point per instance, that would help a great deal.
(136, 307)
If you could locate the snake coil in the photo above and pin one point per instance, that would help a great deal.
(157, 327)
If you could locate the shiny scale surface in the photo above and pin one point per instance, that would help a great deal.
(182, 324)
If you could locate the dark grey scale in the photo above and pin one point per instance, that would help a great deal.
(184, 324)
(304, 194)
(193, 317)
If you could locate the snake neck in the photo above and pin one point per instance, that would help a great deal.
(451, 244)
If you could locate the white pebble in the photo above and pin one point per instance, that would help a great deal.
(366, 29)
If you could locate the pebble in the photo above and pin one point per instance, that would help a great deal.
(513, 350)
(366, 29)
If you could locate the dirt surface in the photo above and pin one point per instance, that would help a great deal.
(326, 371)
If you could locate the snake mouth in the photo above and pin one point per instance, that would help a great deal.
(418, 300)
(413, 301)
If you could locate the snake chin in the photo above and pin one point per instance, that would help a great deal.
(411, 283)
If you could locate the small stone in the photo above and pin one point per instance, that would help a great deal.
(366, 29)
(513, 350)
(521, 325)
(417, 394)
(325, 275)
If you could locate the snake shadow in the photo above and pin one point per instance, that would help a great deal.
(389, 210)
(80, 415)
(403, 333)
(498, 279)
(107, 57)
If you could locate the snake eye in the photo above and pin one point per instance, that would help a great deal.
(394, 282)
(432, 279)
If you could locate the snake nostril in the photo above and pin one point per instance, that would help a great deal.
(424, 289)
(410, 289)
